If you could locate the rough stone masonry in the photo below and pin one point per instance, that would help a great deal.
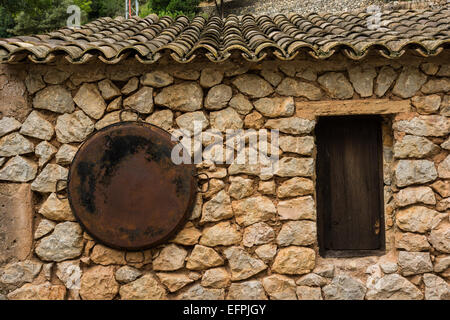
(249, 236)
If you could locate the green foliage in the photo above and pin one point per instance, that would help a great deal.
(174, 14)
(146, 9)
(170, 8)
(107, 8)
(39, 16)
(85, 5)
(15, 6)
(187, 6)
(204, 15)
(21, 17)
(6, 23)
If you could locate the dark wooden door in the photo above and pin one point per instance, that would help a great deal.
(349, 183)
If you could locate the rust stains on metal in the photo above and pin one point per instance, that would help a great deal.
(125, 190)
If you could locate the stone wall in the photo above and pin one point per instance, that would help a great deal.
(251, 236)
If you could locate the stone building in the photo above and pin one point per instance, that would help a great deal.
(384, 91)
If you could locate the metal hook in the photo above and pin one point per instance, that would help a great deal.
(60, 197)
(207, 181)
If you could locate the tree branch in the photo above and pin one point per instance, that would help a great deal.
(219, 9)
(217, 6)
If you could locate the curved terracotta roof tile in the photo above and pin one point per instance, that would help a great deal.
(148, 39)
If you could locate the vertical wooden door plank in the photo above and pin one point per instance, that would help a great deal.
(348, 183)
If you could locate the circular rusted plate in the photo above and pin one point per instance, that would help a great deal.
(125, 190)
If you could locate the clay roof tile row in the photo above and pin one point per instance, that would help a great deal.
(147, 39)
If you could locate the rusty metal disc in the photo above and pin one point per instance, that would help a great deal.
(125, 190)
